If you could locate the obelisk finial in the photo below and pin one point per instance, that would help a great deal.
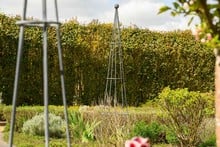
(116, 6)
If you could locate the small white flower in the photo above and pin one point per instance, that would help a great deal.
(186, 6)
(191, 2)
(215, 20)
(203, 40)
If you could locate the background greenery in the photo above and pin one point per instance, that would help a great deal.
(152, 61)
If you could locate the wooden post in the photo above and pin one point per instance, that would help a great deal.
(217, 96)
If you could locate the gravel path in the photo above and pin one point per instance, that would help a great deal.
(2, 142)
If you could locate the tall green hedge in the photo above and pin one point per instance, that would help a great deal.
(152, 61)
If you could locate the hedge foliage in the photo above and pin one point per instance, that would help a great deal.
(25, 113)
(152, 61)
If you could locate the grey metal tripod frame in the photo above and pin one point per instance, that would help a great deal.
(44, 24)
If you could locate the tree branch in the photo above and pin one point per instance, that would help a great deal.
(208, 17)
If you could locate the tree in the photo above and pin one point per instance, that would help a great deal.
(208, 31)
(208, 11)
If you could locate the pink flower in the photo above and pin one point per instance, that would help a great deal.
(197, 32)
(138, 142)
(209, 36)
(131, 143)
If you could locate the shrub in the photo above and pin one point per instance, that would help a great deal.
(207, 132)
(1, 108)
(22, 114)
(171, 137)
(80, 129)
(184, 113)
(114, 124)
(35, 126)
(211, 142)
(25, 113)
(117, 122)
(154, 131)
(2, 117)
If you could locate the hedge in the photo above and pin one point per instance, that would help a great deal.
(152, 61)
(25, 113)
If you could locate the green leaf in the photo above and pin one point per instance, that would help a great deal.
(173, 13)
(190, 21)
(213, 6)
(176, 5)
(163, 9)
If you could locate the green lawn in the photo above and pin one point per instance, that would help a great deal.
(22, 140)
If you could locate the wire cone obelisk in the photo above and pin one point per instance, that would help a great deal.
(115, 92)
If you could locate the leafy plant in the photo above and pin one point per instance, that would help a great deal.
(171, 137)
(35, 126)
(184, 112)
(2, 116)
(80, 129)
(207, 132)
(211, 142)
(154, 131)
(207, 11)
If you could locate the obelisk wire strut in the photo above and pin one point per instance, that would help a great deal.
(62, 75)
(121, 65)
(17, 73)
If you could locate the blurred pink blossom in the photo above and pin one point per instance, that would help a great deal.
(194, 31)
(209, 36)
(197, 32)
(138, 142)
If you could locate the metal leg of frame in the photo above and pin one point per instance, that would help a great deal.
(45, 86)
(17, 73)
(45, 74)
(62, 75)
(15, 90)
(63, 87)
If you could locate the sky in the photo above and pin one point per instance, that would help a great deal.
(140, 13)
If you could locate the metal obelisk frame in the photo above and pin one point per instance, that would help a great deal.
(115, 92)
(44, 24)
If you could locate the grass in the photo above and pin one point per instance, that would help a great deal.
(23, 140)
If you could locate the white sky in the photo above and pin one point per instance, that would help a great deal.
(142, 13)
